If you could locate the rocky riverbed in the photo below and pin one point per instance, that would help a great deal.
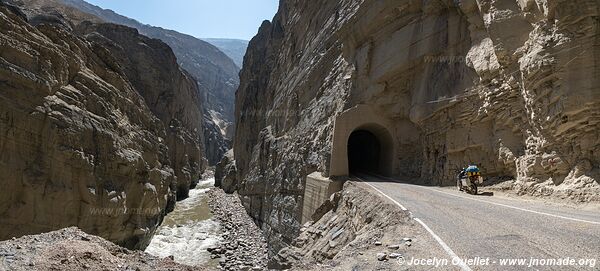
(243, 246)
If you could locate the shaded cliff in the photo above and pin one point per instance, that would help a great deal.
(100, 128)
(509, 85)
(216, 73)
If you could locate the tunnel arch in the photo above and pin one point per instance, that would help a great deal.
(362, 131)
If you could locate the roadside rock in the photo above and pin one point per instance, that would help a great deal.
(328, 205)
(393, 246)
(395, 255)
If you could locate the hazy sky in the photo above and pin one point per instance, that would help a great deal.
(237, 19)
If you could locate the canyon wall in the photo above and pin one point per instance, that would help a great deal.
(99, 127)
(509, 85)
(215, 72)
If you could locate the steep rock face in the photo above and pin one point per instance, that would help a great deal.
(509, 85)
(171, 95)
(285, 109)
(86, 138)
(216, 73)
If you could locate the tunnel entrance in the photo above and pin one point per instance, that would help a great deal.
(364, 152)
(363, 141)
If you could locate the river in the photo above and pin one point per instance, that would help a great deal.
(189, 230)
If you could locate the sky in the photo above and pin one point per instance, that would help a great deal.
(234, 19)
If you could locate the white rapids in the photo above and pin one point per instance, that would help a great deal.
(189, 230)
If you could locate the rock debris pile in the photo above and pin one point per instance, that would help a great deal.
(244, 247)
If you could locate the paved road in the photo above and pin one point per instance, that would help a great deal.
(501, 228)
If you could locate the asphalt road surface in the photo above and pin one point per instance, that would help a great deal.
(499, 233)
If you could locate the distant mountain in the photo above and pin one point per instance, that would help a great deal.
(216, 73)
(234, 48)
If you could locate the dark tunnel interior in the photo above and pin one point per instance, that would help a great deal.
(364, 152)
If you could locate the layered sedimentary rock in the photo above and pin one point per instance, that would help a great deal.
(99, 128)
(510, 85)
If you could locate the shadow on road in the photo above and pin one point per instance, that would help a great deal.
(487, 194)
(373, 177)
